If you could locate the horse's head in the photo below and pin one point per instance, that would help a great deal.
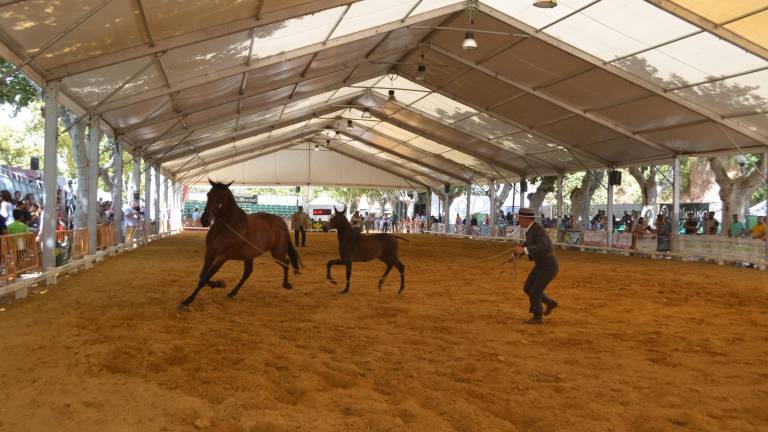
(219, 197)
(338, 219)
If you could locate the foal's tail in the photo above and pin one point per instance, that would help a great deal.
(293, 255)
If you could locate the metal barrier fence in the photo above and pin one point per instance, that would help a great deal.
(72, 244)
(19, 253)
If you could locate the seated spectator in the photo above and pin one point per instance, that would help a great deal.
(17, 197)
(758, 231)
(663, 227)
(641, 228)
(691, 225)
(737, 228)
(17, 226)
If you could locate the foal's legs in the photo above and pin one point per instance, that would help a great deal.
(247, 269)
(204, 277)
(280, 256)
(386, 272)
(401, 269)
(328, 266)
(349, 274)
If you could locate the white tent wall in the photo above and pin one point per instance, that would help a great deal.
(301, 165)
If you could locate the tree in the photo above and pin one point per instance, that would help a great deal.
(581, 196)
(546, 186)
(16, 90)
(447, 199)
(737, 183)
(502, 193)
(645, 176)
(80, 154)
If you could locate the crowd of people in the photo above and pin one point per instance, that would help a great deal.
(19, 214)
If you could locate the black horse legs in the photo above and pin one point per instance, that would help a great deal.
(332, 263)
(204, 278)
(286, 284)
(401, 269)
(247, 269)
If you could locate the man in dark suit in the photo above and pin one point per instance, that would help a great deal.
(538, 246)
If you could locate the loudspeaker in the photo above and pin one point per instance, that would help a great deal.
(614, 178)
(523, 186)
(298, 189)
(447, 188)
(136, 196)
(34, 164)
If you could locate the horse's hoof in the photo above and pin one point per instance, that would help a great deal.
(221, 283)
(344, 291)
(231, 295)
(287, 286)
(182, 306)
(296, 272)
(331, 281)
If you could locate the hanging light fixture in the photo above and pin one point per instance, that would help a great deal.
(545, 4)
(337, 135)
(391, 97)
(349, 123)
(470, 43)
(366, 113)
(421, 72)
(470, 8)
(327, 143)
(317, 147)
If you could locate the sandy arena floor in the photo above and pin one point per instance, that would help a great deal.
(638, 345)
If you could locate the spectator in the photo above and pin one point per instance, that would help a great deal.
(17, 226)
(713, 224)
(196, 217)
(357, 223)
(457, 224)
(641, 228)
(17, 197)
(394, 223)
(691, 225)
(758, 231)
(663, 227)
(3, 226)
(737, 228)
(487, 219)
(385, 224)
(6, 206)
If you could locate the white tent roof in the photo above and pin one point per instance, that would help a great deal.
(197, 87)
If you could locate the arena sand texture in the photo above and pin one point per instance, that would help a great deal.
(638, 345)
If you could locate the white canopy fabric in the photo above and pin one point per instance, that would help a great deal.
(324, 200)
(215, 88)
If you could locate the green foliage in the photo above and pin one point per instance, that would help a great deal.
(17, 90)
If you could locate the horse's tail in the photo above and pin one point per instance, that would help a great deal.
(293, 255)
(402, 238)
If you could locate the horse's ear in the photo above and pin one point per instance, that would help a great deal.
(211, 182)
(335, 209)
(230, 184)
(345, 209)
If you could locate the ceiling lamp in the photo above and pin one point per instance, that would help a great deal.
(421, 72)
(391, 97)
(349, 124)
(337, 135)
(327, 143)
(317, 147)
(469, 41)
(545, 4)
(366, 113)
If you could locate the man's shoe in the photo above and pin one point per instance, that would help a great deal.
(535, 320)
(549, 306)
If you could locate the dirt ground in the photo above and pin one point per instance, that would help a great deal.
(637, 345)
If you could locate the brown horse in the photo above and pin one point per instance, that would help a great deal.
(235, 235)
(363, 248)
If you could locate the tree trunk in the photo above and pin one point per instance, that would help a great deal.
(80, 154)
(646, 179)
(581, 196)
(502, 193)
(736, 192)
(546, 186)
